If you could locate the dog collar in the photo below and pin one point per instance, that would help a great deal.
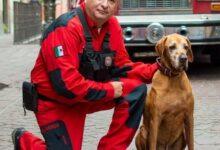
(166, 71)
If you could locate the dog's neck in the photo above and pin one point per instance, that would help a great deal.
(168, 71)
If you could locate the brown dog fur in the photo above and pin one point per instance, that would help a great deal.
(168, 111)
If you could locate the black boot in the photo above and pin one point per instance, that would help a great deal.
(16, 134)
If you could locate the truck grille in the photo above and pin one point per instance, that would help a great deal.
(127, 4)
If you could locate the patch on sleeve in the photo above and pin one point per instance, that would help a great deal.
(59, 51)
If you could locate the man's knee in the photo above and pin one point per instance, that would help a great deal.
(137, 95)
(136, 101)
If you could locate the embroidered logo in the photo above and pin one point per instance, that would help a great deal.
(59, 51)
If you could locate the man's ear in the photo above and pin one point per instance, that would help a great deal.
(160, 46)
(189, 52)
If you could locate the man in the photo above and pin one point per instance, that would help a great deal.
(83, 67)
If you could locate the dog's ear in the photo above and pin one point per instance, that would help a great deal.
(160, 46)
(189, 52)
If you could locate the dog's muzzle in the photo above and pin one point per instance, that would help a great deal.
(183, 62)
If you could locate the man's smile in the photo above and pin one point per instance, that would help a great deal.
(103, 12)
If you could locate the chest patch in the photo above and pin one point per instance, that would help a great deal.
(108, 61)
(58, 51)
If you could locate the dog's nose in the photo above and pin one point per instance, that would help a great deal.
(182, 58)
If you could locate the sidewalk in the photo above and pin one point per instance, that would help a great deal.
(16, 62)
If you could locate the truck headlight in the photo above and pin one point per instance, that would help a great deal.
(128, 35)
(183, 30)
(154, 32)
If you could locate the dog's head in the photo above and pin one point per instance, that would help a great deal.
(175, 51)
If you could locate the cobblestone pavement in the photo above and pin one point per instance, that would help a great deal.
(16, 62)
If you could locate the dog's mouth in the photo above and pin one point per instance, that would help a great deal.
(176, 68)
(182, 66)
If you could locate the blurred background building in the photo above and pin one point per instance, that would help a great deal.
(25, 19)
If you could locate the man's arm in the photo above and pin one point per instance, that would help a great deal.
(138, 70)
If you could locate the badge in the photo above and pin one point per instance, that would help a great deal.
(108, 61)
(59, 51)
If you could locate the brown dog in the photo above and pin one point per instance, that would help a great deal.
(168, 111)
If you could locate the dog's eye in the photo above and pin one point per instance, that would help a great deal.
(172, 47)
(186, 47)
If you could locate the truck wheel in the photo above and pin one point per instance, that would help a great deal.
(215, 57)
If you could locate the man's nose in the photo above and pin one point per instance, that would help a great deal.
(105, 3)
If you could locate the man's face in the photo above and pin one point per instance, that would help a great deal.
(101, 10)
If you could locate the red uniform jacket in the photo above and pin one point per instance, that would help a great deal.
(56, 69)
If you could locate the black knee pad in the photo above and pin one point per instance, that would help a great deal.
(136, 101)
(56, 136)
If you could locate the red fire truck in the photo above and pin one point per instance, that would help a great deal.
(144, 22)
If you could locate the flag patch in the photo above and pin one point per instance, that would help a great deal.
(59, 51)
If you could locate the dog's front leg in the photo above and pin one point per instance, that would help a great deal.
(189, 121)
(154, 124)
(141, 139)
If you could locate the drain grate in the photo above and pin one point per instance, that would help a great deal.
(2, 86)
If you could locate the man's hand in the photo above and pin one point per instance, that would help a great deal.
(117, 88)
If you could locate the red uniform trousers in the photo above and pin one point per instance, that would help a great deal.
(62, 125)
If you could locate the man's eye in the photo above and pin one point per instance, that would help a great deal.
(112, 1)
(186, 47)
